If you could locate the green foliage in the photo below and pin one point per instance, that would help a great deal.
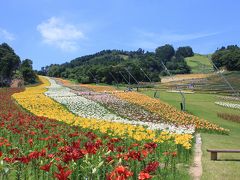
(228, 57)
(9, 62)
(27, 72)
(173, 61)
(165, 53)
(109, 66)
(11, 67)
(184, 52)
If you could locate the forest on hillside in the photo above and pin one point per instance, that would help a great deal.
(118, 66)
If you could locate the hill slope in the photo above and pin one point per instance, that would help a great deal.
(199, 64)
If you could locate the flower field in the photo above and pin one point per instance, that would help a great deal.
(132, 114)
(165, 111)
(35, 146)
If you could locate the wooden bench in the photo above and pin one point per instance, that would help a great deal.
(215, 151)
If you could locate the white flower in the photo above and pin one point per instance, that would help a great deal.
(229, 105)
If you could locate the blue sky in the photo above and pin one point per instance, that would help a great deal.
(56, 31)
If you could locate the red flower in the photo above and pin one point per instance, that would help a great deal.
(113, 140)
(119, 173)
(23, 159)
(9, 160)
(30, 141)
(120, 169)
(62, 175)
(174, 154)
(91, 148)
(144, 175)
(136, 155)
(134, 145)
(73, 134)
(152, 166)
(109, 158)
(51, 156)
(46, 167)
(91, 135)
(34, 155)
(150, 145)
(144, 153)
(1, 153)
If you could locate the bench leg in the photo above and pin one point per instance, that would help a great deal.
(213, 155)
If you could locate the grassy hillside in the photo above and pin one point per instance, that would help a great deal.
(199, 64)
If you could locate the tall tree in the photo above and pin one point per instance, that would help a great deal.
(185, 51)
(27, 72)
(165, 53)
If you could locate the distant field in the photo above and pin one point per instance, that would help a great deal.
(199, 64)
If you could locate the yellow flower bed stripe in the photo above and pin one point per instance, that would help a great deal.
(37, 103)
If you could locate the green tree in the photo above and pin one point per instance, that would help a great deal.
(27, 72)
(228, 58)
(165, 53)
(185, 51)
(9, 63)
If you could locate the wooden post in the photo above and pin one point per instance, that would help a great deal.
(214, 156)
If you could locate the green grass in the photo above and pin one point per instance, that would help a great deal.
(202, 105)
(199, 64)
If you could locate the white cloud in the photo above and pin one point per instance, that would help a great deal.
(57, 32)
(6, 35)
(149, 40)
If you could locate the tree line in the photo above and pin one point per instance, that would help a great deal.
(227, 57)
(11, 67)
(118, 66)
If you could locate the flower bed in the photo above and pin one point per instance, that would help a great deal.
(167, 112)
(37, 103)
(86, 106)
(36, 147)
(228, 105)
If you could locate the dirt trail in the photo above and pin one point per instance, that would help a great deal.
(196, 168)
